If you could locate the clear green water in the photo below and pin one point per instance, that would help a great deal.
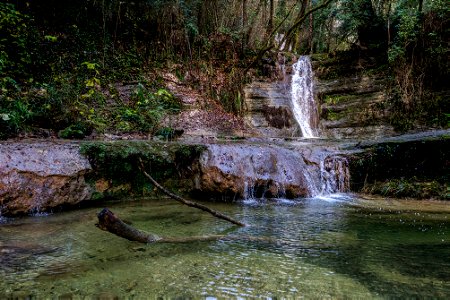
(328, 248)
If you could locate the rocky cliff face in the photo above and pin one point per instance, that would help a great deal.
(353, 106)
(268, 108)
(39, 176)
(413, 165)
(353, 103)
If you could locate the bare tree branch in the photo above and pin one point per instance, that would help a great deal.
(269, 42)
(187, 202)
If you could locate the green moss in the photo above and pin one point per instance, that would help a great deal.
(319, 56)
(334, 116)
(403, 169)
(410, 187)
(118, 161)
(340, 98)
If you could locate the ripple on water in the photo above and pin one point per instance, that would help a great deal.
(338, 197)
(337, 249)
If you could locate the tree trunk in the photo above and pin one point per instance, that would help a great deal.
(271, 14)
(389, 24)
(250, 27)
(420, 6)
(244, 25)
(108, 221)
(311, 29)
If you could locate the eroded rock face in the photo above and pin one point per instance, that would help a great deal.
(269, 108)
(240, 171)
(354, 107)
(37, 176)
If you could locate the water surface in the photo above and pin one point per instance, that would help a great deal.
(328, 247)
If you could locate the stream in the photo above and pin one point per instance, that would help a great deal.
(337, 246)
(331, 244)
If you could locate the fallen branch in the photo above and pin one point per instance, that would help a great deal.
(187, 202)
(108, 221)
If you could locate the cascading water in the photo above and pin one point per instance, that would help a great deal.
(253, 171)
(334, 174)
(302, 95)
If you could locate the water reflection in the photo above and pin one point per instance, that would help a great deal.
(338, 246)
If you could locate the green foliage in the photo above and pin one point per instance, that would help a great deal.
(407, 35)
(13, 116)
(146, 109)
(419, 65)
(14, 56)
(358, 23)
(59, 59)
(74, 131)
(411, 187)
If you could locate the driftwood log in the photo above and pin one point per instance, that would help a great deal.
(187, 202)
(108, 221)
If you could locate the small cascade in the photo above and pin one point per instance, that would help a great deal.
(249, 189)
(282, 65)
(335, 174)
(254, 171)
(302, 95)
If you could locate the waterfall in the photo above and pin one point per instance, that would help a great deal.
(334, 174)
(302, 94)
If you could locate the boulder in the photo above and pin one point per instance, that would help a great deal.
(239, 171)
(37, 176)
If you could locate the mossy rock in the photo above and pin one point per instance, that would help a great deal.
(416, 169)
(118, 161)
(75, 131)
(410, 187)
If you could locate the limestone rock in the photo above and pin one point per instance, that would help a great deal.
(354, 106)
(37, 176)
(269, 108)
(239, 171)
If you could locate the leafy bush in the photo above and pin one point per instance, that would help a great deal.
(146, 109)
(14, 56)
(74, 131)
(13, 116)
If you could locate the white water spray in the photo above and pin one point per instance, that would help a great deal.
(302, 94)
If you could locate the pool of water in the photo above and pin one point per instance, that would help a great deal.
(328, 247)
